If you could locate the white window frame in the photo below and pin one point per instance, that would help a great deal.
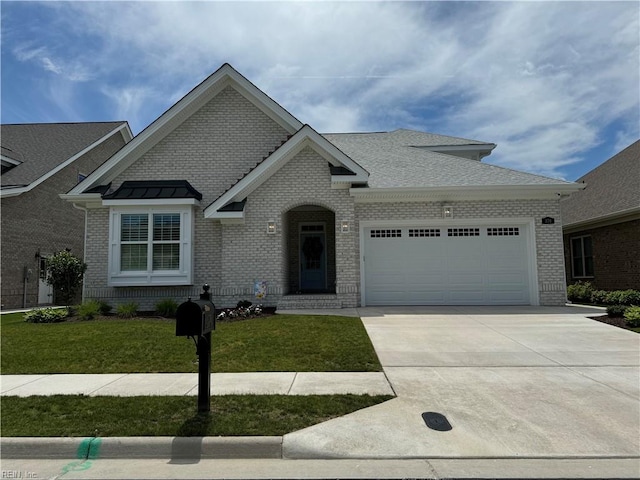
(182, 276)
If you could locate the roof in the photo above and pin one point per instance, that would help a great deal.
(393, 161)
(41, 147)
(612, 188)
(154, 189)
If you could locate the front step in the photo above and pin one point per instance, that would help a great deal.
(309, 301)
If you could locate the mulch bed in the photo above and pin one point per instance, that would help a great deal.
(615, 321)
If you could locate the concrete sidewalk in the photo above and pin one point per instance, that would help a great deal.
(139, 384)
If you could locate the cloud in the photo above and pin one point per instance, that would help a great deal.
(541, 79)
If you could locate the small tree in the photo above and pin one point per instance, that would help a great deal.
(64, 273)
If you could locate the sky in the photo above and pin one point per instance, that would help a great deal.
(556, 85)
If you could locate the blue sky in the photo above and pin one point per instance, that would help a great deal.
(555, 84)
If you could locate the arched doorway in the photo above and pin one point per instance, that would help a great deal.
(311, 249)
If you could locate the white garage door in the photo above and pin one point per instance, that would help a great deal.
(446, 265)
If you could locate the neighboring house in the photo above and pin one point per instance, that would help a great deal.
(601, 224)
(39, 162)
(228, 188)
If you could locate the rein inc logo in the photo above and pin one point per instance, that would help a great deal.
(17, 474)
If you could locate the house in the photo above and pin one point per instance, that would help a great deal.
(228, 188)
(601, 224)
(39, 162)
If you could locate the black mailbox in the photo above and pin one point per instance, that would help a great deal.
(196, 317)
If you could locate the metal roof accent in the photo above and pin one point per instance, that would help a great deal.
(233, 206)
(153, 189)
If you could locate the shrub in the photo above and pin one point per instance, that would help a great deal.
(46, 315)
(167, 307)
(127, 310)
(244, 304)
(88, 310)
(599, 297)
(632, 316)
(623, 297)
(105, 308)
(616, 310)
(580, 292)
(64, 273)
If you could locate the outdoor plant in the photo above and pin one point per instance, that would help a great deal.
(167, 307)
(127, 310)
(89, 310)
(632, 316)
(46, 315)
(616, 310)
(580, 292)
(105, 308)
(64, 273)
(599, 297)
(623, 297)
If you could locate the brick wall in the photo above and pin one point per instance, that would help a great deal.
(39, 221)
(549, 251)
(616, 256)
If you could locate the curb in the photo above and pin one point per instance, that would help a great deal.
(142, 448)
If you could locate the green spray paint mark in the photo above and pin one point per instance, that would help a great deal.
(94, 448)
(76, 466)
(83, 449)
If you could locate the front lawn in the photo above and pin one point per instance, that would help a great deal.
(302, 343)
(81, 416)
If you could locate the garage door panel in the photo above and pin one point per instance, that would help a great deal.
(442, 265)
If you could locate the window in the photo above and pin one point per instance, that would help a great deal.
(395, 233)
(582, 257)
(463, 232)
(150, 246)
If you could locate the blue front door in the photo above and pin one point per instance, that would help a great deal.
(313, 260)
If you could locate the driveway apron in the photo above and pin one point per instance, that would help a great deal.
(513, 382)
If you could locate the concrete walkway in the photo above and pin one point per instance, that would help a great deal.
(137, 384)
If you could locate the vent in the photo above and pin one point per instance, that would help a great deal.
(424, 232)
(386, 233)
(503, 231)
(463, 232)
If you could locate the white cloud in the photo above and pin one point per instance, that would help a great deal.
(542, 79)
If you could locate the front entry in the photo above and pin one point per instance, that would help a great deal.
(313, 258)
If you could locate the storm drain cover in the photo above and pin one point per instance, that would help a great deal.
(436, 421)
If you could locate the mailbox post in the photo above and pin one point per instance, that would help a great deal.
(197, 319)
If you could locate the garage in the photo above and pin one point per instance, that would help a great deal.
(446, 265)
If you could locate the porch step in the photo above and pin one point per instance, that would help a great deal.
(311, 301)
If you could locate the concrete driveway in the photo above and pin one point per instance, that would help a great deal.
(514, 382)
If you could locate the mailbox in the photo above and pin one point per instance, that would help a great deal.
(196, 317)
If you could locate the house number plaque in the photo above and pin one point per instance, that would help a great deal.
(548, 221)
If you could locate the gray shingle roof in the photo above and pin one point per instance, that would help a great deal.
(393, 162)
(43, 146)
(612, 187)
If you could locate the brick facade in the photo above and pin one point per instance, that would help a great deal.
(38, 221)
(213, 149)
(616, 256)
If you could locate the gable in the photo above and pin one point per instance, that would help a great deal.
(191, 103)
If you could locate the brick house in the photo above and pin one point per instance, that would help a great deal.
(228, 188)
(602, 224)
(39, 162)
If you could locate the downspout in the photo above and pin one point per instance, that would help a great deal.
(26, 273)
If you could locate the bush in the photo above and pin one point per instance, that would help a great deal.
(64, 273)
(167, 307)
(127, 310)
(599, 297)
(580, 292)
(105, 308)
(46, 315)
(616, 310)
(632, 316)
(89, 310)
(244, 304)
(623, 297)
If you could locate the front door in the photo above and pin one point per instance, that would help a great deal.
(313, 258)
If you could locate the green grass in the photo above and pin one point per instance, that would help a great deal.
(70, 415)
(275, 343)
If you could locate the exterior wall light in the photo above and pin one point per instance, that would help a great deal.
(447, 211)
(271, 227)
(344, 226)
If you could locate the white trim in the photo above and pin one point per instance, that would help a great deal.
(527, 222)
(7, 162)
(484, 192)
(626, 215)
(18, 191)
(305, 137)
(178, 113)
(184, 274)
